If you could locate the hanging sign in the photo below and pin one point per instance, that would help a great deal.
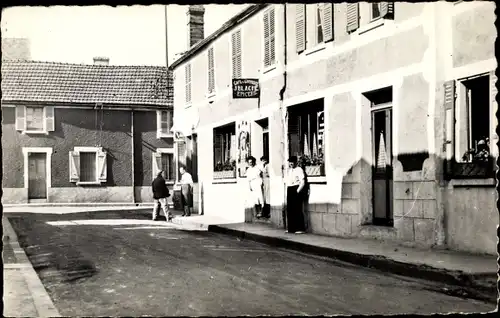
(246, 88)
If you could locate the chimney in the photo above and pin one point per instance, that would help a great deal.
(195, 24)
(98, 60)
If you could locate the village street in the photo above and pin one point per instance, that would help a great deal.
(119, 263)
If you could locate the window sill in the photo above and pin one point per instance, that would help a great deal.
(317, 48)
(34, 132)
(460, 183)
(188, 105)
(268, 69)
(372, 25)
(210, 96)
(317, 180)
(163, 135)
(225, 181)
(84, 183)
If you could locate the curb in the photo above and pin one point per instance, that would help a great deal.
(189, 225)
(468, 282)
(43, 303)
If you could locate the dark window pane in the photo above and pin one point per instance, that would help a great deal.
(88, 166)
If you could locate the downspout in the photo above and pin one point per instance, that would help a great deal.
(283, 117)
(133, 154)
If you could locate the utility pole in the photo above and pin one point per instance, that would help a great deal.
(166, 36)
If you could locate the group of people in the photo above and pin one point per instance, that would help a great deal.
(161, 193)
(297, 191)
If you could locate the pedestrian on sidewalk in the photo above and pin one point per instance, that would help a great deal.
(295, 197)
(266, 209)
(186, 191)
(255, 182)
(160, 195)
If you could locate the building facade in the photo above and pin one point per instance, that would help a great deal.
(376, 98)
(84, 133)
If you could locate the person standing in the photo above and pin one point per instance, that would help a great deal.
(295, 197)
(264, 166)
(160, 195)
(186, 191)
(255, 182)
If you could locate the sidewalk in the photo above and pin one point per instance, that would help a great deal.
(477, 274)
(24, 294)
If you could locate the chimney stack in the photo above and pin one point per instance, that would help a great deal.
(195, 24)
(98, 60)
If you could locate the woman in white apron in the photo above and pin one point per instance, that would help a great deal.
(254, 177)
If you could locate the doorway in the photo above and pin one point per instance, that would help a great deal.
(37, 175)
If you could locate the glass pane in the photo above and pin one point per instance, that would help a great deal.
(166, 120)
(375, 10)
(34, 118)
(167, 163)
(88, 166)
(319, 30)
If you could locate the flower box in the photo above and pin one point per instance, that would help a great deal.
(470, 170)
(316, 170)
(226, 174)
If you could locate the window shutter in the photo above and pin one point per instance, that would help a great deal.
(188, 82)
(102, 167)
(387, 10)
(328, 31)
(74, 166)
(170, 121)
(300, 27)
(352, 17)
(266, 39)
(49, 118)
(156, 164)
(449, 106)
(236, 53)
(211, 79)
(272, 40)
(20, 118)
(494, 119)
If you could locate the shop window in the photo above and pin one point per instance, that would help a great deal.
(224, 148)
(306, 133)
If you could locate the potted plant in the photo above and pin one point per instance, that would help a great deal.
(313, 165)
(225, 170)
(476, 161)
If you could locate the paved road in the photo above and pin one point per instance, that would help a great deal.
(121, 264)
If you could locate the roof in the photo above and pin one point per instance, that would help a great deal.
(31, 81)
(237, 19)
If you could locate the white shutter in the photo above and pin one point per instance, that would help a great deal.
(102, 167)
(328, 31)
(300, 27)
(272, 38)
(188, 83)
(74, 166)
(449, 106)
(236, 53)
(211, 74)
(20, 118)
(266, 39)
(387, 10)
(156, 164)
(49, 118)
(352, 16)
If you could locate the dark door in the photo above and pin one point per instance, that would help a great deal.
(37, 176)
(382, 167)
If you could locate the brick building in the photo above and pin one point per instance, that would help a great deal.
(392, 104)
(84, 133)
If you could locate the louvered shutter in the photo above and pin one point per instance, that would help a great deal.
(328, 31)
(272, 42)
(155, 164)
(294, 135)
(494, 109)
(188, 82)
(211, 75)
(102, 166)
(49, 118)
(387, 10)
(74, 166)
(218, 139)
(449, 106)
(20, 118)
(300, 27)
(266, 39)
(236, 53)
(352, 17)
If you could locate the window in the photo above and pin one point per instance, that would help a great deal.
(211, 71)
(187, 71)
(383, 10)
(164, 119)
(306, 131)
(164, 160)
(319, 23)
(236, 53)
(375, 10)
(269, 38)
(469, 127)
(87, 165)
(225, 152)
(35, 119)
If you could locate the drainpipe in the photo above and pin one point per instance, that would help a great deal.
(133, 154)
(283, 118)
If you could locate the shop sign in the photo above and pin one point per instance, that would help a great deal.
(246, 88)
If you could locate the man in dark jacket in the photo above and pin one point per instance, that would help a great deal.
(160, 194)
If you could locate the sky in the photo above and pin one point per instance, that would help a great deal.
(128, 35)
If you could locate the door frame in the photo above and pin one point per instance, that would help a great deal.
(389, 199)
(48, 152)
